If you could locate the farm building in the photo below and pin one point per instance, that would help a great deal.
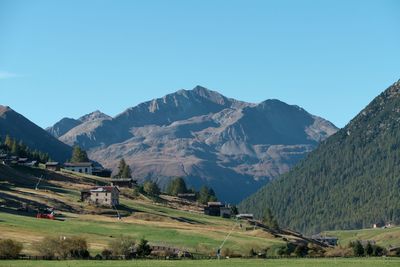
(225, 212)
(188, 196)
(104, 195)
(123, 182)
(213, 209)
(53, 166)
(101, 172)
(329, 240)
(82, 167)
(245, 216)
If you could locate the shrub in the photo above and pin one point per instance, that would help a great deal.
(106, 254)
(10, 249)
(70, 247)
(143, 249)
(339, 252)
(123, 246)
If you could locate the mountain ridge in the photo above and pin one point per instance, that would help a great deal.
(193, 133)
(351, 180)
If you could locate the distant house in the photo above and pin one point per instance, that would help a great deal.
(225, 212)
(245, 216)
(105, 195)
(53, 166)
(378, 225)
(82, 167)
(123, 182)
(213, 209)
(328, 240)
(188, 196)
(101, 172)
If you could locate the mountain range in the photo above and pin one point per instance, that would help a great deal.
(233, 146)
(351, 181)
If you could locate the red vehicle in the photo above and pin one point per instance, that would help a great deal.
(46, 214)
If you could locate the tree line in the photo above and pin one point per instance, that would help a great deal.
(18, 148)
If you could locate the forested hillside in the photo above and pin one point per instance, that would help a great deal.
(351, 180)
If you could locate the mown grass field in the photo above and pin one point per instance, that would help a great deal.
(389, 262)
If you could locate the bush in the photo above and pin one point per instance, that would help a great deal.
(151, 188)
(66, 248)
(143, 249)
(339, 252)
(123, 246)
(10, 249)
(106, 254)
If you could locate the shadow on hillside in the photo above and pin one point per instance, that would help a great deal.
(186, 220)
(17, 202)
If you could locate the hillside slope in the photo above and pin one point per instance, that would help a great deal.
(19, 127)
(207, 138)
(351, 180)
(159, 222)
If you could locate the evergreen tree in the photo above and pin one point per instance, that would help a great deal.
(177, 186)
(269, 219)
(358, 249)
(8, 142)
(206, 195)
(151, 188)
(14, 148)
(143, 249)
(121, 167)
(126, 172)
(369, 249)
(79, 155)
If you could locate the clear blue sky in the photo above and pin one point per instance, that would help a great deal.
(68, 58)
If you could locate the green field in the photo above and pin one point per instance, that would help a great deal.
(210, 263)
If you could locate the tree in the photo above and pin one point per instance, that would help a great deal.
(369, 249)
(269, 219)
(358, 249)
(10, 249)
(206, 195)
(234, 210)
(75, 247)
(14, 148)
(123, 246)
(8, 142)
(121, 168)
(143, 249)
(126, 172)
(151, 188)
(79, 155)
(177, 186)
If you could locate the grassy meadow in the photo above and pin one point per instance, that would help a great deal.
(372, 262)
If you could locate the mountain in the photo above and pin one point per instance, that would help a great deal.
(233, 146)
(19, 127)
(352, 180)
(64, 125)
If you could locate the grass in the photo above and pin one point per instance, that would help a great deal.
(384, 237)
(372, 262)
(158, 223)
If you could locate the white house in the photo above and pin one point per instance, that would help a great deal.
(82, 167)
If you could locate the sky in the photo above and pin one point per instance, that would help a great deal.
(69, 58)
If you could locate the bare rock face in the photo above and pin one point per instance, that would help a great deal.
(201, 135)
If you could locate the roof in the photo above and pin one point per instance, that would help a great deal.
(78, 164)
(121, 179)
(187, 195)
(52, 163)
(103, 189)
(214, 204)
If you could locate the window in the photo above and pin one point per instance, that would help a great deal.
(85, 170)
(80, 170)
(106, 193)
(97, 194)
